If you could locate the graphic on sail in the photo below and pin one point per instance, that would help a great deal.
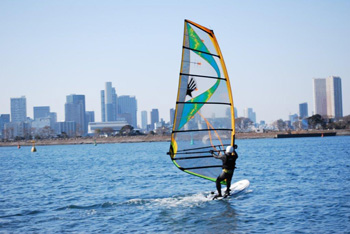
(204, 115)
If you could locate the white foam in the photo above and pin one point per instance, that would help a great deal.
(187, 201)
(178, 201)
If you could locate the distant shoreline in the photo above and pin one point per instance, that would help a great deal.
(152, 138)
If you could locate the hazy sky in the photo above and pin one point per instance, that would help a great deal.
(272, 50)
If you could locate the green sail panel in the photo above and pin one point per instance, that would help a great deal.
(198, 45)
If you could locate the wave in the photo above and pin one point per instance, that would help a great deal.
(24, 213)
(96, 206)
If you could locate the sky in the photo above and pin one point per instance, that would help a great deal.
(272, 51)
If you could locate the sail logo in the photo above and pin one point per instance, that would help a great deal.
(191, 86)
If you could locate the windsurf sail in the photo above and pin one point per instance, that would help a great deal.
(204, 115)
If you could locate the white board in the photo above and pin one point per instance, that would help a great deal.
(236, 188)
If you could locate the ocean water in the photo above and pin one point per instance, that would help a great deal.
(297, 186)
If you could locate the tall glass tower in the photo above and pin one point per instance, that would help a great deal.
(127, 109)
(144, 119)
(41, 112)
(109, 106)
(154, 117)
(75, 111)
(303, 110)
(18, 109)
(334, 97)
(328, 97)
(320, 96)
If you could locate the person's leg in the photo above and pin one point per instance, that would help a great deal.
(228, 182)
(220, 178)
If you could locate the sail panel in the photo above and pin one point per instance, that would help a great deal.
(204, 116)
(199, 65)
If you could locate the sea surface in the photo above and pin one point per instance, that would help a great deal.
(299, 185)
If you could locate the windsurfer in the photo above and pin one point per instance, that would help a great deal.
(228, 167)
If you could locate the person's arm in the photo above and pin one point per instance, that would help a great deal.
(235, 153)
(218, 156)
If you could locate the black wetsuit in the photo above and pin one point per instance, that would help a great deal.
(228, 168)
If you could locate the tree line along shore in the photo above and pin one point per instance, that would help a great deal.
(154, 138)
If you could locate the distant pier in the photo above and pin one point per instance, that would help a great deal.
(320, 134)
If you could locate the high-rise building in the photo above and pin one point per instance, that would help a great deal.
(41, 112)
(4, 119)
(127, 109)
(154, 117)
(236, 113)
(328, 97)
(249, 113)
(90, 117)
(75, 111)
(172, 116)
(103, 106)
(320, 96)
(293, 118)
(334, 97)
(53, 119)
(111, 102)
(303, 112)
(144, 120)
(109, 106)
(18, 109)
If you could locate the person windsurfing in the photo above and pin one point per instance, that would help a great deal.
(228, 167)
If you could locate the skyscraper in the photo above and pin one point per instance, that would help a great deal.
(320, 96)
(18, 109)
(41, 112)
(154, 117)
(144, 120)
(172, 116)
(334, 97)
(4, 118)
(75, 111)
(103, 106)
(127, 109)
(249, 113)
(293, 118)
(109, 106)
(328, 97)
(90, 117)
(303, 112)
(53, 119)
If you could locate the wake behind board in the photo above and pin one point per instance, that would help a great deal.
(236, 188)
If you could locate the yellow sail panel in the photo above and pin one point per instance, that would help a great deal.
(204, 116)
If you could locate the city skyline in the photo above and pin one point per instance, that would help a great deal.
(271, 49)
(318, 84)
